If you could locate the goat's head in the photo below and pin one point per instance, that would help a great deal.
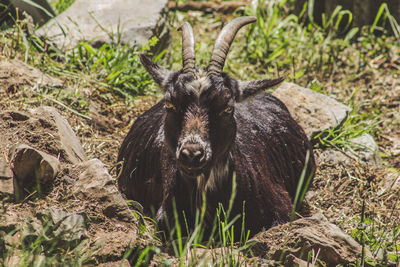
(199, 125)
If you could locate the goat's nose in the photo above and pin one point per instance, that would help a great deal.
(193, 154)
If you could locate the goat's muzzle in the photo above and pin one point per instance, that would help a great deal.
(192, 159)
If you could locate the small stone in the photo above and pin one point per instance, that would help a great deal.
(391, 183)
(31, 168)
(366, 148)
(315, 112)
(333, 157)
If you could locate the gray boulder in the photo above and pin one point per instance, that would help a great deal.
(103, 20)
(315, 112)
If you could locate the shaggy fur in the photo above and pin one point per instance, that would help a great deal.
(237, 128)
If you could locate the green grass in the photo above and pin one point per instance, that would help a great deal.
(43, 243)
(185, 243)
(61, 5)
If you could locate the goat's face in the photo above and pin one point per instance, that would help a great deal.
(199, 125)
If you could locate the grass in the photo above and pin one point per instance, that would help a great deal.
(61, 5)
(325, 58)
(44, 243)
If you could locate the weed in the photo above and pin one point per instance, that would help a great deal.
(61, 5)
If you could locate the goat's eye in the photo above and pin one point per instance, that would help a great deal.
(168, 105)
(228, 110)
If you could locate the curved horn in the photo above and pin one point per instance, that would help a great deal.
(223, 43)
(188, 53)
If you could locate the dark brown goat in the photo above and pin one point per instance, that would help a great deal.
(207, 128)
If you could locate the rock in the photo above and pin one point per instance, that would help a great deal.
(70, 146)
(62, 229)
(333, 157)
(5, 171)
(6, 182)
(315, 112)
(366, 148)
(114, 244)
(15, 73)
(6, 188)
(96, 184)
(9, 220)
(32, 169)
(390, 183)
(68, 226)
(308, 235)
(101, 21)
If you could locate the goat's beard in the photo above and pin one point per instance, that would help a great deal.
(189, 172)
(192, 172)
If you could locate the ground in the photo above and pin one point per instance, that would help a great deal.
(346, 192)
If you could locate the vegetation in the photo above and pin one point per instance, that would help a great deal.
(333, 58)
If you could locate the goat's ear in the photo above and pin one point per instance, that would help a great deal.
(249, 88)
(159, 74)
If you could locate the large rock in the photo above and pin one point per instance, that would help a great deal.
(96, 185)
(296, 240)
(32, 169)
(315, 112)
(103, 20)
(115, 229)
(69, 143)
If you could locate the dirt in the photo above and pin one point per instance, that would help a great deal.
(110, 235)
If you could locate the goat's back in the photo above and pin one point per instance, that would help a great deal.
(269, 156)
(140, 175)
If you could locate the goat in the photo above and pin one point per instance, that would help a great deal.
(207, 128)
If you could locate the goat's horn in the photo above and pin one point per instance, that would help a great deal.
(223, 43)
(188, 53)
